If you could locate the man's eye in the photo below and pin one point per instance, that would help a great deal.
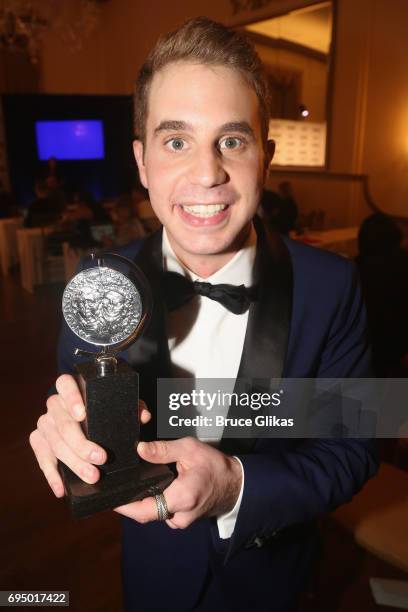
(175, 144)
(231, 143)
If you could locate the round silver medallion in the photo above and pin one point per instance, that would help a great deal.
(102, 306)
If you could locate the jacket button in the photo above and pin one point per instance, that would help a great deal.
(259, 542)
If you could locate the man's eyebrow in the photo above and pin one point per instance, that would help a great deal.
(238, 126)
(169, 125)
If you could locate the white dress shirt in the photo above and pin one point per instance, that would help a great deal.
(206, 340)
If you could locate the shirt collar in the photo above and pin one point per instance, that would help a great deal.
(237, 271)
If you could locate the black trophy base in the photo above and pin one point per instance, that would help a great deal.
(114, 489)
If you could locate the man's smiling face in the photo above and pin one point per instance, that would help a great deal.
(203, 161)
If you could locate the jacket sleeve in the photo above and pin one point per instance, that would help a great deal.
(302, 482)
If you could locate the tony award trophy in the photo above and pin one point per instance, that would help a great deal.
(107, 305)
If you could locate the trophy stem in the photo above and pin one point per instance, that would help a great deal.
(106, 364)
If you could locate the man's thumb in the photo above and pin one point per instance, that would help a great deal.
(160, 451)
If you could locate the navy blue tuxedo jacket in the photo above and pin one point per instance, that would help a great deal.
(309, 322)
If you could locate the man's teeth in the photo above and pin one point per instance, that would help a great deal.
(204, 210)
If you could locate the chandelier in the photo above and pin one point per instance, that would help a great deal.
(24, 23)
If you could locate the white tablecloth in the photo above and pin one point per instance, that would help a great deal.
(72, 258)
(8, 243)
(31, 250)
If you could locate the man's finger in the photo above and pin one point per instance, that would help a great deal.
(143, 511)
(84, 470)
(145, 416)
(74, 437)
(69, 391)
(144, 413)
(181, 495)
(176, 498)
(71, 432)
(168, 451)
(47, 462)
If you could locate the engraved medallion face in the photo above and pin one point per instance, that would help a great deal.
(102, 306)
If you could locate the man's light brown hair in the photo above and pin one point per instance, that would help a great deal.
(202, 41)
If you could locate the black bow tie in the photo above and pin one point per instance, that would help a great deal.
(178, 290)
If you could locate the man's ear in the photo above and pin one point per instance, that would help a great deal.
(138, 151)
(269, 153)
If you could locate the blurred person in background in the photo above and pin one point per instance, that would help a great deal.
(82, 205)
(8, 204)
(80, 216)
(383, 268)
(44, 211)
(128, 226)
(52, 174)
(280, 210)
(144, 211)
(54, 182)
(78, 208)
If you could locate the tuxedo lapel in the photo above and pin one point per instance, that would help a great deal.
(268, 326)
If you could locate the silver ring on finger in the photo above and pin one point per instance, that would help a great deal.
(162, 510)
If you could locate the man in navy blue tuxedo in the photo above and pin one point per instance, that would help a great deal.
(238, 532)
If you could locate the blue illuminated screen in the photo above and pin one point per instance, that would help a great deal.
(76, 139)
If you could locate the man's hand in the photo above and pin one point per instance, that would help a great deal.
(59, 436)
(208, 482)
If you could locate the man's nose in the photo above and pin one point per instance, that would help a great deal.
(207, 169)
